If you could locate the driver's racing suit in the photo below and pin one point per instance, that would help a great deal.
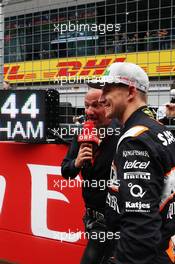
(141, 199)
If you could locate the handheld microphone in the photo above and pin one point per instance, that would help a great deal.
(89, 135)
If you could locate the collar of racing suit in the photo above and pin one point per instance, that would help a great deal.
(134, 116)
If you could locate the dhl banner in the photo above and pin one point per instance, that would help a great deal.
(155, 63)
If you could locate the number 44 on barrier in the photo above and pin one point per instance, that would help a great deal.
(29, 107)
(22, 115)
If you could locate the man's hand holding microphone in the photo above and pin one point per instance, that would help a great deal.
(89, 141)
(84, 154)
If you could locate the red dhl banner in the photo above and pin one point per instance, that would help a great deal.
(154, 63)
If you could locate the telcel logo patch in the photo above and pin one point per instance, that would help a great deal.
(136, 164)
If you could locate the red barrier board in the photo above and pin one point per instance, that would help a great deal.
(40, 212)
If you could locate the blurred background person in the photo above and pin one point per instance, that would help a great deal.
(169, 118)
(6, 85)
(162, 109)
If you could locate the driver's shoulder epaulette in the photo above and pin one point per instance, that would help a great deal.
(134, 131)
